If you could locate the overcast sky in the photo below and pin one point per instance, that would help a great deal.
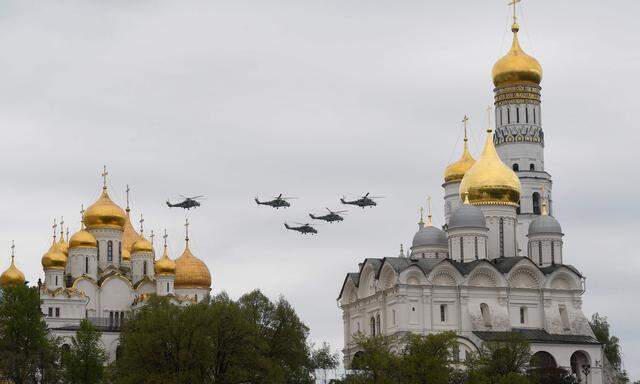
(314, 99)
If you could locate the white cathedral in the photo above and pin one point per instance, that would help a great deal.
(497, 263)
(107, 270)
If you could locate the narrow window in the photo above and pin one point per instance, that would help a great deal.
(144, 267)
(373, 326)
(461, 250)
(443, 313)
(378, 324)
(57, 311)
(553, 253)
(117, 319)
(532, 167)
(534, 115)
(393, 315)
(536, 203)
(564, 317)
(86, 264)
(486, 315)
(119, 252)
(508, 115)
(56, 281)
(526, 114)
(515, 167)
(518, 208)
(456, 352)
(539, 252)
(196, 297)
(517, 115)
(501, 237)
(167, 287)
(110, 250)
(98, 254)
(111, 318)
(475, 246)
(50, 311)
(523, 315)
(500, 116)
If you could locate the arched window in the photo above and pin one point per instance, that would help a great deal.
(532, 167)
(168, 287)
(526, 114)
(523, 315)
(501, 237)
(443, 313)
(515, 167)
(373, 326)
(508, 115)
(517, 115)
(86, 264)
(486, 315)
(144, 267)
(500, 116)
(56, 280)
(110, 250)
(393, 314)
(120, 252)
(461, 250)
(378, 326)
(536, 203)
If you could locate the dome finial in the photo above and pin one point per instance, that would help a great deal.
(13, 252)
(401, 250)
(141, 221)
(81, 216)
(104, 177)
(514, 26)
(54, 226)
(421, 222)
(429, 216)
(165, 238)
(127, 194)
(464, 122)
(455, 171)
(61, 228)
(186, 230)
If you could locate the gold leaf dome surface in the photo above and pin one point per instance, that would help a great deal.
(455, 171)
(142, 245)
(191, 272)
(516, 66)
(54, 258)
(490, 181)
(104, 213)
(63, 246)
(12, 276)
(83, 239)
(126, 255)
(165, 266)
(129, 235)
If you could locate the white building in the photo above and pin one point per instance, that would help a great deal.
(497, 264)
(106, 270)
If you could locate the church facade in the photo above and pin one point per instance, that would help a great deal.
(496, 265)
(107, 270)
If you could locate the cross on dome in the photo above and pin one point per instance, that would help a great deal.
(13, 249)
(104, 175)
(55, 227)
(165, 237)
(186, 229)
(465, 120)
(429, 215)
(141, 221)
(514, 3)
(127, 194)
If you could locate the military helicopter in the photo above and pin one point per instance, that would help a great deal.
(303, 228)
(277, 202)
(364, 201)
(330, 217)
(188, 203)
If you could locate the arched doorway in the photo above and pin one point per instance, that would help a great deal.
(581, 366)
(542, 360)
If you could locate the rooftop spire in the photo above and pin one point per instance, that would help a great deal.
(401, 250)
(104, 175)
(421, 222)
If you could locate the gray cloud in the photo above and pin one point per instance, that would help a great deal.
(314, 99)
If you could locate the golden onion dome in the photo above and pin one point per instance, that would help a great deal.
(83, 239)
(490, 181)
(54, 258)
(12, 276)
(191, 272)
(126, 255)
(455, 171)
(142, 245)
(165, 266)
(104, 213)
(516, 66)
(63, 246)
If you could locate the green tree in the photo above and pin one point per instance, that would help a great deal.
(323, 359)
(428, 359)
(26, 349)
(611, 344)
(84, 362)
(504, 360)
(376, 363)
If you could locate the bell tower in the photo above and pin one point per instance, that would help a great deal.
(519, 138)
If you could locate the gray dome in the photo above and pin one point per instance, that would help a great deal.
(545, 224)
(467, 215)
(430, 236)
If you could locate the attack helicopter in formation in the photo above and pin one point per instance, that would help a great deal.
(330, 217)
(364, 201)
(187, 203)
(277, 202)
(302, 228)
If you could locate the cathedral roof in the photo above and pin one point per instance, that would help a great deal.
(537, 336)
(516, 66)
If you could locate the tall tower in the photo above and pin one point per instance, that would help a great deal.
(519, 138)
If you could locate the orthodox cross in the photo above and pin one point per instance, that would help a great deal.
(464, 121)
(54, 226)
(104, 176)
(82, 215)
(127, 192)
(186, 229)
(165, 237)
(429, 219)
(13, 249)
(61, 227)
(67, 231)
(514, 3)
(141, 221)
(488, 117)
(152, 236)
(421, 216)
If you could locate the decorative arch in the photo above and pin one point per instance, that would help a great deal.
(367, 285)
(412, 276)
(445, 275)
(563, 279)
(581, 365)
(388, 277)
(543, 360)
(349, 294)
(524, 277)
(483, 277)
